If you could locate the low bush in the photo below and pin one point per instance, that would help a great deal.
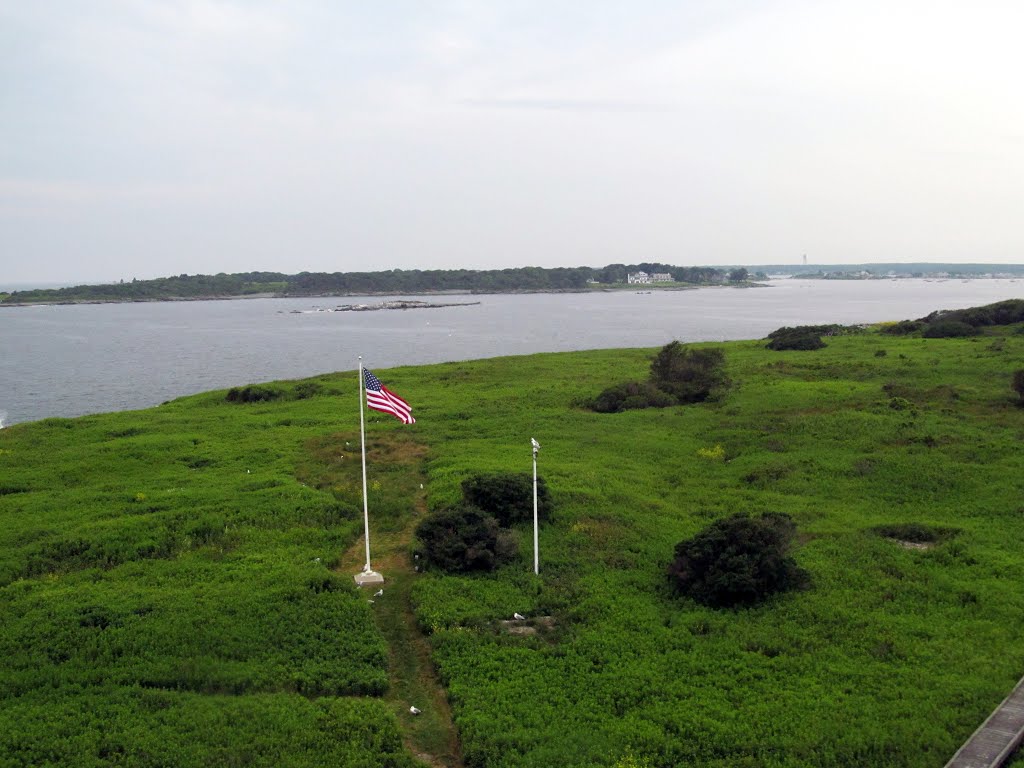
(460, 540)
(253, 393)
(903, 327)
(829, 329)
(631, 395)
(687, 374)
(948, 329)
(508, 496)
(739, 560)
(1000, 313)
(1018, 383)
(679, 375)
(800, 338)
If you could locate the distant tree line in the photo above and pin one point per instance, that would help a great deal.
(418, 281)
(400, 281)
(617, 273)
(179, 287)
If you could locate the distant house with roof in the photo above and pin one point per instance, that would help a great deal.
(661, 277)
(638, 278)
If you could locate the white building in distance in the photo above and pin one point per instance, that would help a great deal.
(638, 278)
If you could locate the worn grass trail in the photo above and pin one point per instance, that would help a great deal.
(413, 681)
(397, 502)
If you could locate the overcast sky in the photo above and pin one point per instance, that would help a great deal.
(141, 139)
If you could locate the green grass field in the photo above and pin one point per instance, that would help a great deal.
(175, 584)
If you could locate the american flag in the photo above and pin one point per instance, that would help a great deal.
(380, 398)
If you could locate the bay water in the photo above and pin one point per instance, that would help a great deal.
(70, 360)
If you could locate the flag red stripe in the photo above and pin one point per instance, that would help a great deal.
(387, 401)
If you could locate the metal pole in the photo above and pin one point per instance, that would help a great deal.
(536, 548)
(362, 445)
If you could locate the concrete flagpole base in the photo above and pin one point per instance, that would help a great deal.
(368, 577)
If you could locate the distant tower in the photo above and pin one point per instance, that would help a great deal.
(805, 259)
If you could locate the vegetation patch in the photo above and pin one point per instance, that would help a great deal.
(248, 644)
(475, 535)
(167, 588)
(1000, 313)
(799, 338)
(631, 396)
(508, 496)
(108, 725)
(739, 560)
(767, 474)
(808, 337)
(915, 533)
(679, 375)
(253, 393)
(948, 329)
(333, 463)
(902, 327)
(460, 540)
(960, 323)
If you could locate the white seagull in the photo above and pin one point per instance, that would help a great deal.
(518, 617)
(379, 593)
(414, 710)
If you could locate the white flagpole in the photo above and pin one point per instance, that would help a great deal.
(536, 548)
(368, 576)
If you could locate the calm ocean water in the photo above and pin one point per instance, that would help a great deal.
(73, 360)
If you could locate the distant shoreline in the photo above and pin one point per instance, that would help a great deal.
(612, 278)
(334, 295)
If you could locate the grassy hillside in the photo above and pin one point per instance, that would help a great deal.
(176, 582)
(168, 595)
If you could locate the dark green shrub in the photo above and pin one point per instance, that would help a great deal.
(829, 329)
(508, 496)
(459, 540)
(630, 396)
(678, 375)
(948, 329)
(253, 393)
(903, 327)
(800, 338)
(1001, 313)
(740, 560)
(689, 375)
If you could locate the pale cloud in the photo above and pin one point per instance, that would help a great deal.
(203, 135)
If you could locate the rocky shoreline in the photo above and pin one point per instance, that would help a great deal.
(401, 304)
